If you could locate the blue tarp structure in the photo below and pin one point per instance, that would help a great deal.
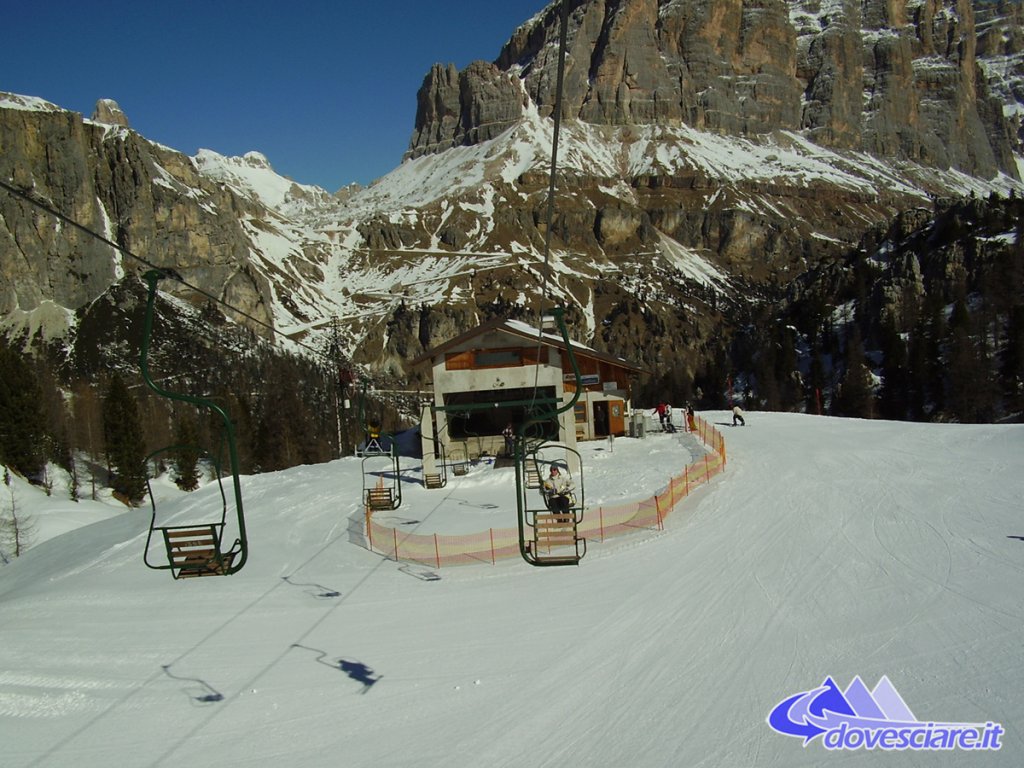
(407, 443)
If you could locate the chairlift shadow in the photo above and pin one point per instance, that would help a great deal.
(395, 520)
(208, 694)
(356, 531)
(423, 574)
(355, 670)
(467, 503)
(315, 590)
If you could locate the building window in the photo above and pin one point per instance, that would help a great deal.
(497, 358)
(486, 412)
(580, 412)
(474, 359)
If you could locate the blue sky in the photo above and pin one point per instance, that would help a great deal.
(325, 89)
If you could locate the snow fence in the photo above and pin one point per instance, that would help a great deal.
(598, 524)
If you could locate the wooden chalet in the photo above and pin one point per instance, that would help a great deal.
(503, 371)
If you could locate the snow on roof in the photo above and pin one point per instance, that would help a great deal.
(526, 331)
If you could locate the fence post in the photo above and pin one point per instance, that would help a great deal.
(492, 545)
(600, 517)
(369, 526)
(686, 479)
(657, 507)
(395, 532)
(707, 472)
(437, 552)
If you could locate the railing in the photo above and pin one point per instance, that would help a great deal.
(599, 524)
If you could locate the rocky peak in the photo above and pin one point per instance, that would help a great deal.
(257, 160)
(896, 78)
(108, 112)
(467, 107)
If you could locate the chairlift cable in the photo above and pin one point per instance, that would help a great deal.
(169, 272)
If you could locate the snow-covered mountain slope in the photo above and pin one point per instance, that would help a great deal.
(421, 230)
(828, 548)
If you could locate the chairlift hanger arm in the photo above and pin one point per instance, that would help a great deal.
(559, 315)
(152, 278)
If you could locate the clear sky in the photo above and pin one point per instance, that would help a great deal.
(326, 89)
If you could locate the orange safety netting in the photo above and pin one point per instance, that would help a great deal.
(598, 524)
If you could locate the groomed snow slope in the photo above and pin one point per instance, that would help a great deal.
(828, 548)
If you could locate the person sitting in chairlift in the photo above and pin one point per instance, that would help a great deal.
(558, 492)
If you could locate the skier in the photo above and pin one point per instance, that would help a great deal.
(558, 492)
(510, 444)
(691, 418)
(660, 410)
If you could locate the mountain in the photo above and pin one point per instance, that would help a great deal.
(714, 158)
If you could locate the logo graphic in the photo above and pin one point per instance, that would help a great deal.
(879, 719)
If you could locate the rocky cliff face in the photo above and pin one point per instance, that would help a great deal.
(896, 79)
(714, 153)
(147, 199)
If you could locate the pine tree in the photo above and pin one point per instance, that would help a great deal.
(894, 399)
(122, 433)
(186, 453)
(767, 385)
(22, 423)
(926, 361)
(970, 394)
(87, 426)
(1013, 361)
(856, 397)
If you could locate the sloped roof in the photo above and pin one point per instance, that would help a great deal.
(527, 333)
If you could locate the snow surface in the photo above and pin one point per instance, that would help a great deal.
(829, 547)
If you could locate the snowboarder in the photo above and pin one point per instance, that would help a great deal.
(737, 416)
(691, 418)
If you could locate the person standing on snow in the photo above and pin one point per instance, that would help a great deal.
(660, 410)
(510, 440)
(737, 416)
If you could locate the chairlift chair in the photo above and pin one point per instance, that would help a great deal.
(459, 461)
(438, 479)
(195, 549)
(382, 486)
(548, 537)
(552, 534)
(380, 461)
(192, 549)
